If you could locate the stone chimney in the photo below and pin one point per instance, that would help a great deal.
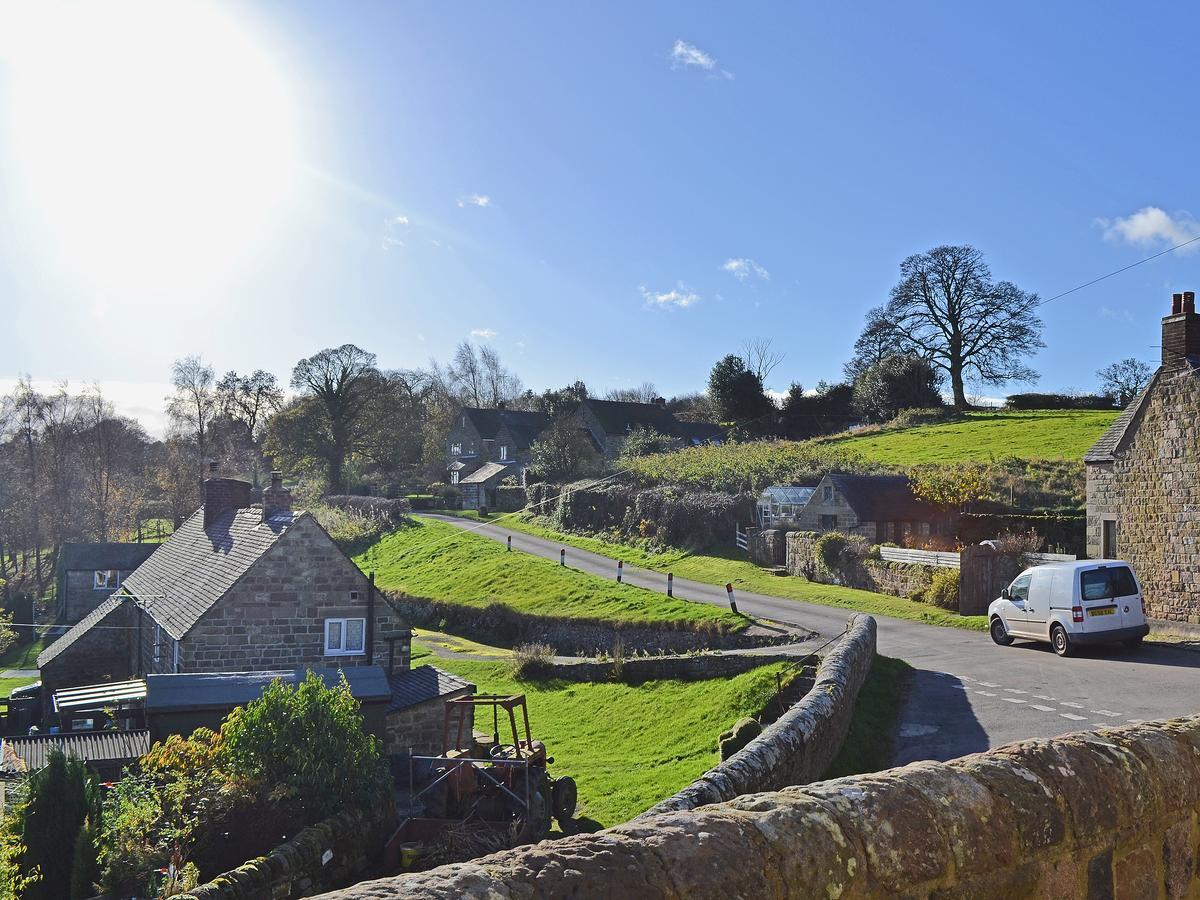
(1181, 330)
(222, 494)
(276, 498)
(660, 401)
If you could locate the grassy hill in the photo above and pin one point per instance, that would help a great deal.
(983, 436)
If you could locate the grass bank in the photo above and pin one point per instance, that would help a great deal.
(869, 744)
(440, 562)
(627, 746)
(718, 565)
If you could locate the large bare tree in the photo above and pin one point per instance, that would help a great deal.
(948, 310)
(1124, 379)
(193, 404)
(761, 357)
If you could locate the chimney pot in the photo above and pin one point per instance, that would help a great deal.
(276, 498)
(1181, 331)
(1189, 301)
(213, 465)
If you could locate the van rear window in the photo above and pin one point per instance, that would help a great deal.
(1106, 583)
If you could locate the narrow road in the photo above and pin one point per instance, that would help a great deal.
(967, 694)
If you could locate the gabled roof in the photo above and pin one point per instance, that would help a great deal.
(195, 567)
(89, 557)
(881, 498)
(1124, 425)
(28, 754)
(488, 421)
(486, 472)
(82, 627)
(422, 684)
(618, 417)
(523, 436)
(700, 432)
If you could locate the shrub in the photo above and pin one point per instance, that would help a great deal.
(1016, 544)
(529, 660)
(354, 522)
(911, 418)
(943, 589)
(895, 383)
(839, 553)
(1060, 401)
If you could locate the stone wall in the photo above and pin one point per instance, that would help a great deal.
(419, 728)
(697, 667)
(1152, 491)
(800, 745)
(880, 576)
(1114, 814)
(767, 546)
(499, 624)
(105, 653)
(323, 856)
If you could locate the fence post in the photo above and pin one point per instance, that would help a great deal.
(620, 567)
(729, 591)
(562, 556)
(670, 585)
(510, 543)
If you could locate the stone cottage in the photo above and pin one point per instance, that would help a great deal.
(880, 508)
(609, 423)
(481, 436)
(1143, 476)
(88, 574)
(237, 588)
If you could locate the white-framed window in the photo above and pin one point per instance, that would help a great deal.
(828, 492)
(456, 449)
(504, 451)
(106, 580)
(345, 637)
(454, 477)
(157, 643)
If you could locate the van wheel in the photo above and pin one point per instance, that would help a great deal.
(1060, 641)
(999, 633)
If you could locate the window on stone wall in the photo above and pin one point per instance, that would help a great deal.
(828, 493)
(454, 477)
(456, 449)
(345, 637)
(829, 521)
(106, 580)
(504, 451)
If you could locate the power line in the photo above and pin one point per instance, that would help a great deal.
(1120, 270)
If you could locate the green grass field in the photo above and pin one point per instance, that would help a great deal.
(718, 565)
(868, 746)
(440, 562)
(984, 436)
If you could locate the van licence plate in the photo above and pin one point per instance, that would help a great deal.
(1102, 611)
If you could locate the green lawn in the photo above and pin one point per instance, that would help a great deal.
(440, 562)
(719, 565)
(24, 656)
(8, 685)
(983, 436)
(868, 746)
(627, 746)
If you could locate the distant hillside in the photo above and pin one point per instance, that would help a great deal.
(983, 436)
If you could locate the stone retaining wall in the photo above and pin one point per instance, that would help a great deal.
(327, 855)
(799, 746)
(878, 575)
(767, 546)
(499, 624)
(658, 668)
(1113, 814)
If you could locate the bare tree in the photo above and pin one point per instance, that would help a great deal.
(947, 309)
(479, 378)
(249, 399)
(1124, 379)
(192, 407)
(761, 357)
(875, 343)
(645, 392)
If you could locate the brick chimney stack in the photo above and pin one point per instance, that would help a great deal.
(1181, 330)
(222, 494)
(276, 498)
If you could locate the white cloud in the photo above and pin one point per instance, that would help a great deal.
(481, 200)
(485, 334)
(744, 268)
(393, 228)
(689, 56)
(1152, 225)
(681, 297)
(1116, 315)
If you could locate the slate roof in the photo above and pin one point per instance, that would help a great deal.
(195, 567)
(484, 473)
(225, 690)
(1124, 425)
(90, 557)
(882, 498)
(422, 684)
(619, 417)
(28, 754)
(700, 432)
(80, 628)
(488, 421)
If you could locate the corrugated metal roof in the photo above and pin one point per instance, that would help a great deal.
(784, 493)
(98, 696)
(225, 690)
(80, 628)
(90, 557)
(28, 754)
(422, 684)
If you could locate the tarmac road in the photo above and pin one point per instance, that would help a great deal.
(967, 694)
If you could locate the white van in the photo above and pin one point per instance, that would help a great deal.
(1094, 601)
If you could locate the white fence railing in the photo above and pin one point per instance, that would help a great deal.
(920, 557)
(739, 537)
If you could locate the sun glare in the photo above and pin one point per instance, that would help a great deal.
(154, 139)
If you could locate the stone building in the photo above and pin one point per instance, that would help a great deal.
(237, 588)
(609, 422)
(880, 508)
(88, 574)
(481, 436)
(1143, 476)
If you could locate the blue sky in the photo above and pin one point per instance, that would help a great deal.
(618, 192)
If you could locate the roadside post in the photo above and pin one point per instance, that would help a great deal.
(729, 591)
(510, 543)
(670, 585)
(620, 569)
(562, 556)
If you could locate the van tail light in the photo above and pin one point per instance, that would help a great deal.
(1076, 613)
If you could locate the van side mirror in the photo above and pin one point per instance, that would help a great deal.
(1005, 595)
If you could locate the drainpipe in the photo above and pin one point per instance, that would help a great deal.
(371, 619)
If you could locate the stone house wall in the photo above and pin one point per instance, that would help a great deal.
(419, 728)
(1152, 490)
(473, 454)
(809, 518)
(611, 444)
(80, 596)
(102, 654)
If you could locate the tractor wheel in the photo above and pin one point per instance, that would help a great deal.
(565, 796)
(535, 824)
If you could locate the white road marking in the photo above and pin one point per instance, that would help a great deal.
(1135, 721)
(985, 694)
(1014, 691)
(1011, 700)
(988, 684)
(1072, 717)
(1070, 704)
(1105, 712)
(1043, 708)
(1044, 697)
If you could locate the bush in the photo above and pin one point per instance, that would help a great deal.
(839, 553)
(911, 418)
(895, 383)
(529, 660)
(354, 522)
(1016, 544)
(1060, 401)
(943, 589)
